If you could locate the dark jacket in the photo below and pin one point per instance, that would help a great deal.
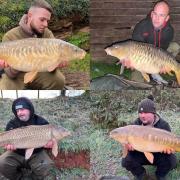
(145, 32)
(16, 123)
(158, 123)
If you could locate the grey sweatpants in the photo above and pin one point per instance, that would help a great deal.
(11, 165)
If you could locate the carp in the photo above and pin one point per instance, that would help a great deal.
(145, 58)
(33, 55)
(34, 136)
(146, 139)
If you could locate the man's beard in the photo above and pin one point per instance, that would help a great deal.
(35, 31)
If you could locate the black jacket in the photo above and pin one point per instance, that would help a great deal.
(16, 123)
(145, 32)
(159, 123)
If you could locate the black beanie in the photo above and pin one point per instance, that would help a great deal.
(22, 104)
(147, 106)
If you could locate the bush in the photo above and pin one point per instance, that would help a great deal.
(11, 11)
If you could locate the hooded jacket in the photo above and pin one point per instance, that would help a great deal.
(145, 32)
(17, 123)
(22, 31)
(158, 123)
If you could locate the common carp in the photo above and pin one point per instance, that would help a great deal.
(146, 139)
(34, 55)
(145, 58)
(34, 136)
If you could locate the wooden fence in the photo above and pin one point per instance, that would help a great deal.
(113, 20)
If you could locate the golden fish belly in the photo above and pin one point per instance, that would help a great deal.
(143, 145)
(149, 64)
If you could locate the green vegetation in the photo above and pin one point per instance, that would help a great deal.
(80, 65)
(65, 8)
(11, 11)
(80, 39)
(100, 69)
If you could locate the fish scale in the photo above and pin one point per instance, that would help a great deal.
(155, 135)
(33, 136)
(145, 57)
(38, 54)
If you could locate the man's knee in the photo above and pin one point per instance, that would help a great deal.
(126, 163)
(41, 164)
(174, 48)
(171, 162)
(48, 80)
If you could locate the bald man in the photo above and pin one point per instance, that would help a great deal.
(34, 24)
(156, 29)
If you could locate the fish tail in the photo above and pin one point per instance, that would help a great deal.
(177, 72)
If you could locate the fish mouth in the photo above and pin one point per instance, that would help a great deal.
(108, 51)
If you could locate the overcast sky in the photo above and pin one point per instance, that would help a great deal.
(44, 94)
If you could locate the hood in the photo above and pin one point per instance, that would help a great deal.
(23, 25)
(25, 100)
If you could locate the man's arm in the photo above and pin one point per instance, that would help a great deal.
(137, 33)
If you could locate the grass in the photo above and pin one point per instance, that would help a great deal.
(80, 65)
(100, 69)
(80, 39)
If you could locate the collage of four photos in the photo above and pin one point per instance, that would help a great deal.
(90, 90)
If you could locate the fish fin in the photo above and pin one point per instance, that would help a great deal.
(177, 72)
(52, 68)
(30, 76)
(122, 69)
(149, 157)
(145, 76)
(124, 151)
(28, 153)
(55, 148)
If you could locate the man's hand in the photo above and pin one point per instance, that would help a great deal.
(63, 64)
(3, 64)
(169, 151)
(49, 144)
(129, 147)
(9, 147)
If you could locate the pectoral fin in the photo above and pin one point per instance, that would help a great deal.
(28, 153)
(124, 151)
(149, 157)
(55, 148)
(145, 76)
(30, 76)
(52, 68)
(122, 69)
